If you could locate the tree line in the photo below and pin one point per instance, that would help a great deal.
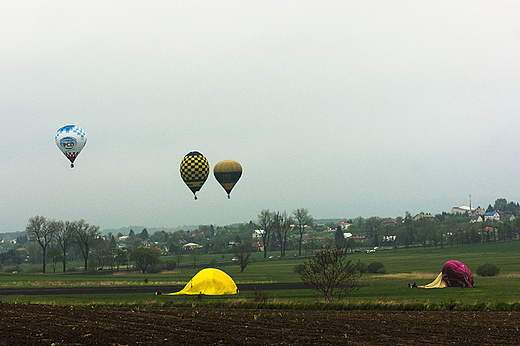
(61, 235)
(439, 230)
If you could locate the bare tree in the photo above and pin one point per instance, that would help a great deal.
(243, 254)
(195, 254)
(178, 255)
(38, 229)
(85, 235)
(282, 225)
(64, 232)
(265, 224)
(120, 258)
(330, 273)
(302, 219)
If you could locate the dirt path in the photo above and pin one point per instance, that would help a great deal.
(26, 291)
(57, 325)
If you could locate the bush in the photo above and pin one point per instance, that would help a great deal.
(376, 268)
(298, 268)
(169, 265)
(331, 273)
(15, 269)
(362, 268)
(34, 269)
(260, 297)
(154, 269)
(488, 269)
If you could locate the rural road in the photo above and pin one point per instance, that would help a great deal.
(31, 291)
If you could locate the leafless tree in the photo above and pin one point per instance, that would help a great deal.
(282, 225)
(302, 219)
(86, 236)
(243, 254)
(331, 273)
(64, 232)
(195, 254)
(178, 255)
(38, 230)
(265, 223)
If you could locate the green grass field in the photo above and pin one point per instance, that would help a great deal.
(390, 290)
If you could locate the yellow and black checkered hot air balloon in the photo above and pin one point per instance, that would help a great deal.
(194, 171)
(227, 173)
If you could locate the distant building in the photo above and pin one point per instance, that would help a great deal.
(506, 216)
(476, 219)
(258, 233)
(389, 238)
(420, 216)
(358, 237)
(344, 224)
(492, 215)
(463, 209)
(258, 246)
(389, 221)
(190, 246)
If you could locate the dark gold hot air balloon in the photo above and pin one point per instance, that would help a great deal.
(194, 171)
(227, 173)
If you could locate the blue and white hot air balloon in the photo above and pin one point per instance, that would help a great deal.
(71, 139)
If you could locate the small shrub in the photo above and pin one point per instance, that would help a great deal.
(37, 269)
(376, 268)
(169, 265)
(488, 269)
(260, 297)
(154, 269)
(15, 269)
(298, 268)
(362, 268)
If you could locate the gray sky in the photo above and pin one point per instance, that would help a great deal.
(346, 108)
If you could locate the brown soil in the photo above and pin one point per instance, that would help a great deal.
(22, 324)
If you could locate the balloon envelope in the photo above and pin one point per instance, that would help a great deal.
(209, 281)
(194, 171)
(456, 273)
(70, 139)
(227, 173)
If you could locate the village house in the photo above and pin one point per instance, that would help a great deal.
(344, 225)
(426, 216)
(258, 246)
(505, 216)
(492, 215)
(389, 221)
(190, 246)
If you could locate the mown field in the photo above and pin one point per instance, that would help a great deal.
(404, 266)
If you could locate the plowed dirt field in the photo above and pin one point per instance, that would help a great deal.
(22, 324)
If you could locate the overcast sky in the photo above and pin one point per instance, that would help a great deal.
(346, 108)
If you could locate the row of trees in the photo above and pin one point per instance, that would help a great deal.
(279, 225)
(63, 234)
(440, 230)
